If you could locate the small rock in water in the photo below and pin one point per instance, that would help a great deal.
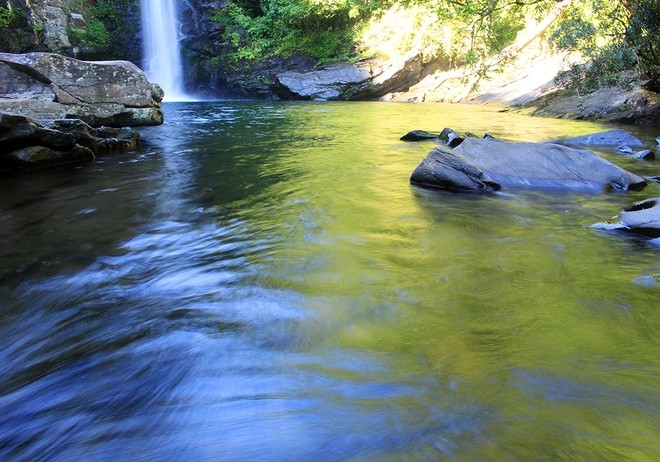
(646, 154)
(657, 140)
(655, 179)
(450, 137)
(652, 280)
(488, 136)
(418, 135)
(623, 149)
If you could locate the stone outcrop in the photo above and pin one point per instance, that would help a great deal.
(50, 17)
(296, 78)
(50, 86)
(486, 165)
(366, 80)
(612, 104)
(70, 28)
(28, 144)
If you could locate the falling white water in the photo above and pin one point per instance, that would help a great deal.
(162, 56)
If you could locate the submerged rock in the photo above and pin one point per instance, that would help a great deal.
(640, 218)
(491, 164)
(608, 138)
(36, 157)
(50, 86)
(651, 280)
(418, 135)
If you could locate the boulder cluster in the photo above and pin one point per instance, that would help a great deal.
(28, 144)
(464, 163)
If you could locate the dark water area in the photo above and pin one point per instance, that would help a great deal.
(261, 282)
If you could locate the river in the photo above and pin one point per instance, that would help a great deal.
(261, 282)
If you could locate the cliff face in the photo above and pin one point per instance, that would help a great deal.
(84, 29)
(202, 45)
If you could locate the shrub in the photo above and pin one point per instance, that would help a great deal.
(5, 18)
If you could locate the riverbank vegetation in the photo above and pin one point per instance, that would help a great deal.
(610, 36)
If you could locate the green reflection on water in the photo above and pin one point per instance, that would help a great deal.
(511, 301)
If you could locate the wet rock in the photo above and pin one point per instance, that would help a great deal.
(445, 169)
(37, 157)
(640, 218)
(49, 86)
(418, 135)
(643, 217)
(84, 134)
(450, 137)
(522, 166)
(608, 138)
(655, 179)
(623, 149)
(25, 144)
(16, 127)
(645, 154)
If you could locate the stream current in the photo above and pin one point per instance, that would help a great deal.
(261, 282)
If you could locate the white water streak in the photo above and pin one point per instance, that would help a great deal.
(162, 55)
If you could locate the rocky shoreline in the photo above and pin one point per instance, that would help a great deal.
(636, 105)
(56, 110)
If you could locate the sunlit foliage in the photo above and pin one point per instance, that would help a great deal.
(614, 36)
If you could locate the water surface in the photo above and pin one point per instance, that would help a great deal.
(261, 282)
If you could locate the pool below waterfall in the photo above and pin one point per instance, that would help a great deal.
(260, 281)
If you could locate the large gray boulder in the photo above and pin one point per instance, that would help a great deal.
(521, 166)
(50, 86)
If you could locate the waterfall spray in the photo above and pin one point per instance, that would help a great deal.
(162, 56)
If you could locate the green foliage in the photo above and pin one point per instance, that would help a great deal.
(5, 17)
(96, 35)
(644, 34)
(613, 37)
(104, 9)
(258, 30)
(573, 33)
(604, 69)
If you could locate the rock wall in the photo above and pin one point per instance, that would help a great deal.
(76, 28)
(201, 45)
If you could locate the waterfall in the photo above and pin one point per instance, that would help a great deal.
(162, 56)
